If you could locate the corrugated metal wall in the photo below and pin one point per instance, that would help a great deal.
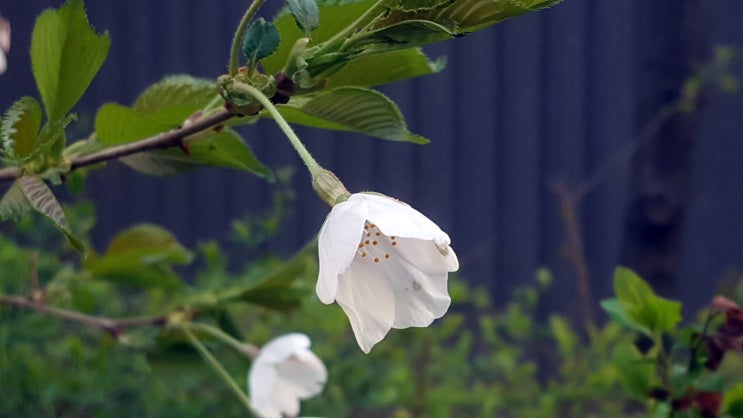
(541, 98)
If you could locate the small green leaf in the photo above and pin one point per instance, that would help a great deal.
(65, 56)
(635, 371)
(13, 204)
(732, 401)
(642, 305)
(334, 16)
(20, 127)
(351, 109)
(616, 312)
(305, 14)
(141, 256)
(41, 199)
(260, 40)
(223, 149)
(176, 90)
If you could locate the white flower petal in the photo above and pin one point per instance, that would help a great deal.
(420, 297)
(395, 218)
(428, 256)
(368, 302)
(261, 383)
(337, 243)
(283, 372)
(304, 374)
(3, 63)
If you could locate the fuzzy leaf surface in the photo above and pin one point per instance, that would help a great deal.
(41, 199)
(223, 149)
(20, 127)
(261, 40)
(351, 109)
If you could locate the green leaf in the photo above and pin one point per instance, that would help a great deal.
(41, 199)
(223, 149)
(635, 371)
(374, 70)
(282, 289)
(161, 107)
(176, 90)
(642, 305)
(616, 313)
(116, 124)
(305, 14)
(141, 256)
(334, 15)
(14, 203)
(65, 56)
(351, 109)
(732, 401)
(20, 127)
(260, 40)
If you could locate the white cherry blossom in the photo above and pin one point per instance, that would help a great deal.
(283, 372)
(4, 43)
(386, 265)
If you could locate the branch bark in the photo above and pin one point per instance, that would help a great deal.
(170, 139)
(113, 326)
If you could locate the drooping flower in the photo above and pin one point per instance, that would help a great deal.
(283, 372)
(386, 265)
(4, 43)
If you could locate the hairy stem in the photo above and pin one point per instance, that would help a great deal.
(307, 158)
(169, 139)
(249, 350)
(114, 326)
(237, 39)
(217, 366)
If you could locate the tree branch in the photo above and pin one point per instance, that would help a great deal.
(113, 326)
(169, 139)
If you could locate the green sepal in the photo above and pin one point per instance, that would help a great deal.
(141, 256)
(351, 109)
(65, 56)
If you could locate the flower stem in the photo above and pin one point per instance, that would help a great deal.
(305, 155)
(214, 363)
(237, 39)
(244, 348)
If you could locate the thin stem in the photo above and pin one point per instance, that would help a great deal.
(307, 158)
(237, 39)
(170, 139)
(217, 366)
(244, 348)
(113, 325)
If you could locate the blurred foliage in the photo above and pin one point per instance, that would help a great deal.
(475, 361)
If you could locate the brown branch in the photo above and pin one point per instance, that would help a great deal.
(574, 249)
(169, 139)
(113, 326)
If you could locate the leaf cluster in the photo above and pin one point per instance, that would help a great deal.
(673, 369)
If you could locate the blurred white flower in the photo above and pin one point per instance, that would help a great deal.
(284, 372)
(386, 265)
(4, 43)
